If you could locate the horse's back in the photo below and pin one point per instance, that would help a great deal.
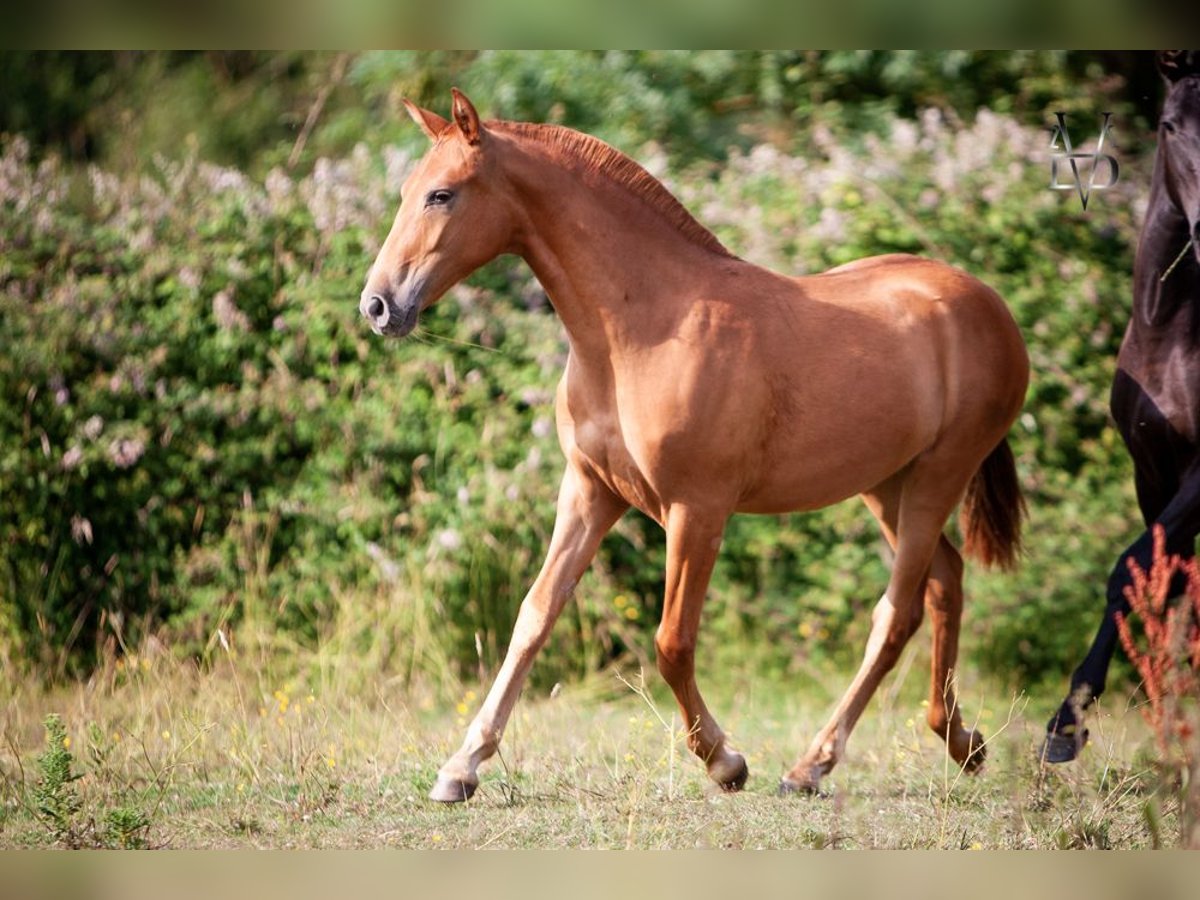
(961, 312)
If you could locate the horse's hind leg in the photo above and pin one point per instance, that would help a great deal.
(944, 603)
(912, 509)
(586, 511)
(693, 539)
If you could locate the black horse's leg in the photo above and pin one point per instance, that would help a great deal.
(1180, 522)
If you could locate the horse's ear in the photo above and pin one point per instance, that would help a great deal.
(465, 117)
(1175, 64)
(431, 123)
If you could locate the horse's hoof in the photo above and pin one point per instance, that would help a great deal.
(976, 753)
(738, 781)
(1061, 748)
(787, 788)
(452, 790)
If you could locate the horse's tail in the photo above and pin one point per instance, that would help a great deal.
(992, 510)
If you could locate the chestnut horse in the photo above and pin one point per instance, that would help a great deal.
(699, 385)
(1156, 392)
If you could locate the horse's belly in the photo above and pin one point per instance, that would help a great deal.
(818, 478)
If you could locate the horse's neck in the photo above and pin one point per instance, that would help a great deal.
(1165, 273)
(614, 270)
(1164, 329)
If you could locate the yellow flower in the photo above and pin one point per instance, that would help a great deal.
(806, 630)
(461, 708)
(66, 743)
(619, 601)
(331, 762)
(631, 612)
(166, 735)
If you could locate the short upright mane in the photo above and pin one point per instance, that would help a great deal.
(596, 156)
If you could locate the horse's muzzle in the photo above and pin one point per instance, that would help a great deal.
(386, 316)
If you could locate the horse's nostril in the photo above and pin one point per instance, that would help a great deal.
(376, 308)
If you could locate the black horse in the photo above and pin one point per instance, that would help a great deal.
(1156, 392)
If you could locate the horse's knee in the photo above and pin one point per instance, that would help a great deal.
(938, 719)
(675, 655)
(1120, 577)
(894, 640)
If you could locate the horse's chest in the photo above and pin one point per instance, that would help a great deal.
(608, 452)
(1168, 375)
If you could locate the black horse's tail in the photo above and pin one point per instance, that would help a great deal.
(992, 510)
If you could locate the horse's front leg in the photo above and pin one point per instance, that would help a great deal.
(1180, 521)
(586, 511)
(693, 539)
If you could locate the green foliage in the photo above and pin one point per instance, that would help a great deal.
(70, 820)
(125, 828)
(57, 799)
(248, 108)
(700, 104)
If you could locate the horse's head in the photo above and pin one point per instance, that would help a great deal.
(1179, 135)
(452, 220)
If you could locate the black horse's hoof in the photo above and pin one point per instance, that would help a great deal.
(1061, 748)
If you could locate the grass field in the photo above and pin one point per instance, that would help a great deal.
(164, 754)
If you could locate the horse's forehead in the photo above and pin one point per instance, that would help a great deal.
(447, 158)
(1184, 97)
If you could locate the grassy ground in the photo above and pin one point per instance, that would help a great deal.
(234, 756)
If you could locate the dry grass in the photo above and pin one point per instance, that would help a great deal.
(234, 754)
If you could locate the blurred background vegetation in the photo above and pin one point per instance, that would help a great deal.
(202, 445)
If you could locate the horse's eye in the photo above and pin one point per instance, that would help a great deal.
(1168, 126)
(440, 197)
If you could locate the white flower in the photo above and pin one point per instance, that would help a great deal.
(72, 458)
(81, 529)
(449, 539)
(124, 452)
(225, 311)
